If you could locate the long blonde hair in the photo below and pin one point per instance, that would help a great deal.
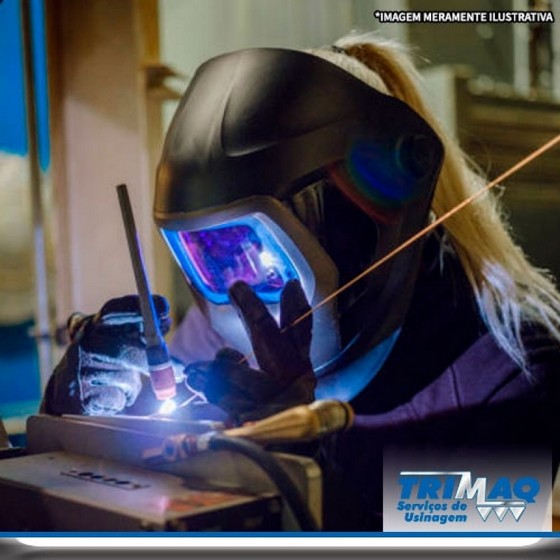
(508, 289)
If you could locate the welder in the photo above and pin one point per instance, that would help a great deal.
(284, 175)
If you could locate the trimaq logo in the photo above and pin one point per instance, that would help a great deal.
(426, 494)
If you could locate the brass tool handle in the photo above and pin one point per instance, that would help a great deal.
(300, 423)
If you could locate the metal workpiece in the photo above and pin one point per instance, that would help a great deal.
(127, 443)
(81, 493)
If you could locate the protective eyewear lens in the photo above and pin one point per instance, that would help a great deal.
(214, 258)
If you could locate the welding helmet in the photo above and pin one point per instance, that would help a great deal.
(278, 165)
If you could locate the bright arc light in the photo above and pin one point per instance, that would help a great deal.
(267, 258)
(167, 407)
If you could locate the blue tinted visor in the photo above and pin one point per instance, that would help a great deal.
(244, 249)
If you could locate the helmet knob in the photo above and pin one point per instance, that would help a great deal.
(414, 155)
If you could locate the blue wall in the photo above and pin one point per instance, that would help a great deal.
(19, 373)
(13, 134)
(19, 365)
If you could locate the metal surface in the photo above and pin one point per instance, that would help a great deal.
(125, 439)
(61, 491)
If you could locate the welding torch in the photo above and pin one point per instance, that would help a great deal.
(160, 368)
(299, 423)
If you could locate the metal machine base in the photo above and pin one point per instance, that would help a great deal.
(89, 474)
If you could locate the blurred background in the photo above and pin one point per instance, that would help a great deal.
(103, 78)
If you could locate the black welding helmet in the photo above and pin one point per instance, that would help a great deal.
(277, 165)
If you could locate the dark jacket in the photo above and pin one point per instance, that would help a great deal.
(446, 386)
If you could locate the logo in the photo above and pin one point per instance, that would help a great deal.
(477, 490)
(444, 496)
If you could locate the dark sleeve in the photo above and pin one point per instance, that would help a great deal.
(484, 396)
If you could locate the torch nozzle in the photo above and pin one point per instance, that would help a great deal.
(161, 372)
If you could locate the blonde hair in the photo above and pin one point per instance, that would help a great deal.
(508, 289)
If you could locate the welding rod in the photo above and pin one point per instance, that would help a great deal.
(159, 364)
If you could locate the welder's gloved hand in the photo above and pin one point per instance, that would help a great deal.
(102, 371)
(285, 377)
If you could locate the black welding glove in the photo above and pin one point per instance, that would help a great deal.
(102, 371)
(285, 377)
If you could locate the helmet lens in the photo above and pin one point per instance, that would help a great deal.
(244, 249)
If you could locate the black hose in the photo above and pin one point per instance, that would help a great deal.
(270, 466)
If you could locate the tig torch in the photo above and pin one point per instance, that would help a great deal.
(304, 422)
(159, 365)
